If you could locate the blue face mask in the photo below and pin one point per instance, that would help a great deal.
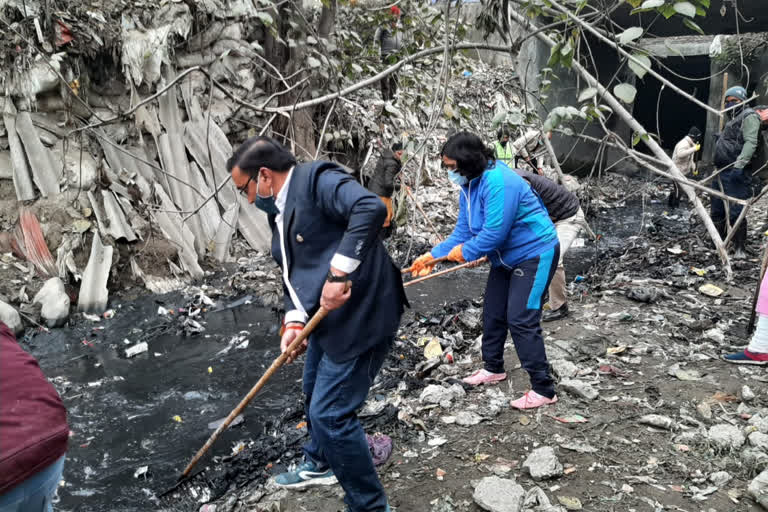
(729, 104)
(457, 178)
(266, 203)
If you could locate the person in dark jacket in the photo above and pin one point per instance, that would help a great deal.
(33, 431)
(383, 181)
(325, 232)
(733, 152)
(565, 211)
(390, 41)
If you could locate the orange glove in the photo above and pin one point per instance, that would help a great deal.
(421, 266)
(456, 255)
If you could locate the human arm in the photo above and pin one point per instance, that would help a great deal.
(500, 204)
(750, 127)
(460, 234)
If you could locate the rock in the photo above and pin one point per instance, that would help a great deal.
(570, 502)
(715, 335)
(656, 420)
(579, 388)
(759, 440)
(747, 394)
(542, 463)
(499, 495)
(758, 489)
(55, 302)
(10, 317)
(564, 369)
(720, 478)
(754, 457)
(468, 418)
(704, 410)
(760, 421)
(726, 437)
(436, 394)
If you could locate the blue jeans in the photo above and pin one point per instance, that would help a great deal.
(35, 494)
(513, 301)
(333, 393)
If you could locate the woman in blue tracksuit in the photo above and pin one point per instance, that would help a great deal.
(502, 218)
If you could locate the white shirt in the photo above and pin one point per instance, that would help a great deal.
(339, 261)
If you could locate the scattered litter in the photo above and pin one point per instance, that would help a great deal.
(137, 349)
(142, 471)
(711, 290)
(177, 418)
(235, 422)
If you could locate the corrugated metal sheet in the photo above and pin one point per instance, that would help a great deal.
(94, 295)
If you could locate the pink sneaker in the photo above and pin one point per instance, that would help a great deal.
(484, 377)
(532, 400)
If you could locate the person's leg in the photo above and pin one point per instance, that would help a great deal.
(526, 288)
(567, 231)
(312, 450)
(36, 493)
(717, 208)
(340, 389)
(737, 185)
(495, 319)
(674, 196)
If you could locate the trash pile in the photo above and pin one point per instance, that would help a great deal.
(648, 416)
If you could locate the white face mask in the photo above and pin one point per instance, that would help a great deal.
(457, 178)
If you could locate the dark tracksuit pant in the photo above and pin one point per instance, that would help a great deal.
(735, 184)
(513, 300)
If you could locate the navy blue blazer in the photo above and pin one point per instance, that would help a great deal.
(326, 212)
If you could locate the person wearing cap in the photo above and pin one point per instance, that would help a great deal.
(390, 41)
(383, 181)
(325, 233)
(683, 156)
(734, 151)
(33, 431)
(504, 150)
(500, 217)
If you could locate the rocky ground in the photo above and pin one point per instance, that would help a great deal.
(649, 418)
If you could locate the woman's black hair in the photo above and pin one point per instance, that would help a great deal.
(471, 155)
(258, 152)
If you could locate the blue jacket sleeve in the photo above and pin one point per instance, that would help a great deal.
(500, 204)
(344, 200)
(461, 232)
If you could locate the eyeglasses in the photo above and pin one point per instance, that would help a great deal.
(244, 188)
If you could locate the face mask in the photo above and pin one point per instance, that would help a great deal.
(457, 178)
(729, 104)
(266, 203)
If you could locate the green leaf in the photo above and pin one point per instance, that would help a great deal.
(554, 55)
(634, 3)
(587, 94)
(693, 26)
(704, 3)
(265, 18)
(313, 62)
(630, 35)
(652, 4)
(625, 92)
(685, 8)
(640, 68)
(667, 11)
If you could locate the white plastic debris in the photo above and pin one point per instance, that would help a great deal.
(136, 349)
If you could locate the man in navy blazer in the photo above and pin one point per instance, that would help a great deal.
(325, 230)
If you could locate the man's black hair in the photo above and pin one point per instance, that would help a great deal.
(503, 132)
(694, 133)
(471, 155)
(258, 152)
(397, 146)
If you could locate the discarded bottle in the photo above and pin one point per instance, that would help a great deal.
(579, 279)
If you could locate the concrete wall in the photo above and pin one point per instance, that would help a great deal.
(470, 12)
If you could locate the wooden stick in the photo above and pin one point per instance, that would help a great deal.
(752, 315)
(408, 189)
(433, 262)
(448, 271)
(722, 99)
(276, 364)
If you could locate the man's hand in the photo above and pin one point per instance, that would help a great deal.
(456, 254)
(291, 331)
(421, 266)
(697, 147)
(335, 294)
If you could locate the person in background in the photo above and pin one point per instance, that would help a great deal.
(683, 156)
(383, 182)
(756, 352)
(390, 41)
(564, 210)
(500, 217)
(503, 149)
(325, 233)
(733, 155)
(33, 431)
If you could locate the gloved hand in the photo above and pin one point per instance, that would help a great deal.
(697, 147)
(456, 254)
(421, 266)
